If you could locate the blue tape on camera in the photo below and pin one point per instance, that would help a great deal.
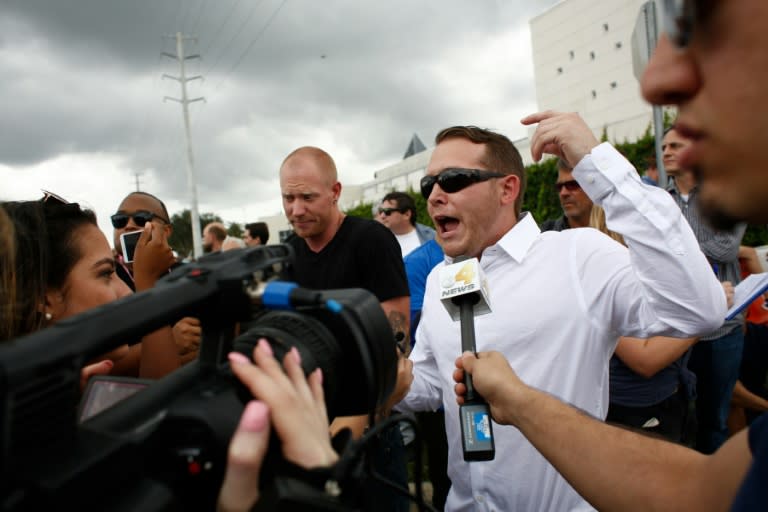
(277, 295)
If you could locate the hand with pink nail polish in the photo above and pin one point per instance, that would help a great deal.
(247, 449)
(296, 402)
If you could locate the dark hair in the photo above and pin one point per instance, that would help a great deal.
(500, 154)
(404, 202)
(45, 253)
(258, 230)
(147, 194)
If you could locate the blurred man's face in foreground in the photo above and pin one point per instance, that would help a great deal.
(715, 73)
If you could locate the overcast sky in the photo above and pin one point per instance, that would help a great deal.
(82, 95)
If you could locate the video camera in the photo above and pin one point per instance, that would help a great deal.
(164, 448)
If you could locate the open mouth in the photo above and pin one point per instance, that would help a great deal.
(445, 225)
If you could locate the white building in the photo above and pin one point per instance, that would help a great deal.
(582, 60)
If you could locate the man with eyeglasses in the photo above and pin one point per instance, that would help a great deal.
(559, 300)
(711, 65)
(576, 204)
(398, 212)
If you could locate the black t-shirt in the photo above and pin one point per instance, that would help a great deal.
(362, 254)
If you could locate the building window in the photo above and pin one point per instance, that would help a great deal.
(614, 84)
(605, 27)
(592, 55)
(571, 54)
(560, 71)
(594, 94)
(618, 45)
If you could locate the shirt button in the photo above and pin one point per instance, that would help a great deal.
(591, 178)
(479, 499)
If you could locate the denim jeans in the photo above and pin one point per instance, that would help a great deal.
(716, 365)
(389, 460)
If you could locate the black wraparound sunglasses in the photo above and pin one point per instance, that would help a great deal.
(454, 179)
(389, 211)
(570, 186)
(141, 217)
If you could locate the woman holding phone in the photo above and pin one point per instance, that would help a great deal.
(63, 266)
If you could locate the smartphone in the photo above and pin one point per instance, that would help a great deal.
(104, 391)
(128, 242)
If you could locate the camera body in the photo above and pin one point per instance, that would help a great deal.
(164, 448)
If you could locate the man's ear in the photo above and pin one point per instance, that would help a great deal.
(510, 188)
(336, 191)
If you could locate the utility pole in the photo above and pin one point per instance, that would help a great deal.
(197, 242)
(644, 39)
(137, 176)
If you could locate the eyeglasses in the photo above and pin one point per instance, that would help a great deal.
(141, 217)
(676, 18)
(50, 197)
(570, 186)
(455, 179)
(389, 211)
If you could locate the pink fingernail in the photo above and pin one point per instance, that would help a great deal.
(296, 355)
(264, 346)
(238, 358)
(320, 374)
(255, 417)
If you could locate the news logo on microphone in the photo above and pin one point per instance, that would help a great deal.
(464, 278)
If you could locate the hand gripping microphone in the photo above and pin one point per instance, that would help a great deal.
(464, 293)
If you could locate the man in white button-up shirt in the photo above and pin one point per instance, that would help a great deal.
(559, 300)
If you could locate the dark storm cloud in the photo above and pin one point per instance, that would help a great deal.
(84, 76)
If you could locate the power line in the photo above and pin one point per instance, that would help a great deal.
(255, 39)
(232, 39)
(200, 9)
(218, 30)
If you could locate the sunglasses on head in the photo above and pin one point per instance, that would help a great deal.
(51, 198)
(570, 186)
(120, 220)
(389, 211)
(455, 179)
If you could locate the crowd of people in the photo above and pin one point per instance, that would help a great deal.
(613, 377)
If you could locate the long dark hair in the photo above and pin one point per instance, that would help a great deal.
(45, 252)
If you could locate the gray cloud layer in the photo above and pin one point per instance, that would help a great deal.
(356, 77)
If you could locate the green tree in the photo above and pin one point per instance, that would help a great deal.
(365, 210)
(235, 230)
(181, 238)
(540, 197)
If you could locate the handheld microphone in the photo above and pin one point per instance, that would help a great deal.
(465, 293)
